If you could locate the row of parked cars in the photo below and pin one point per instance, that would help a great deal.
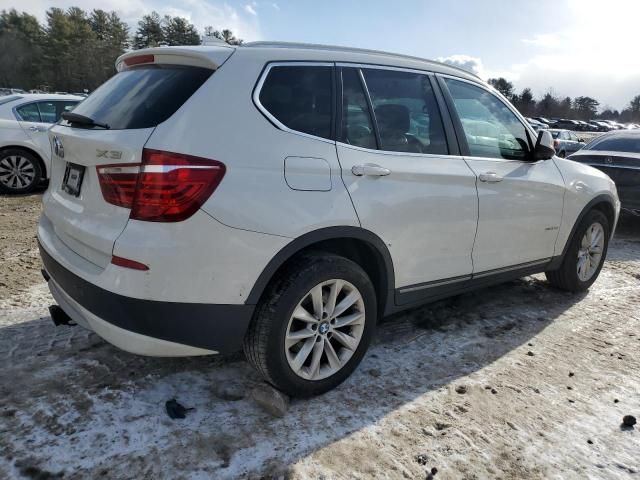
(542, 123)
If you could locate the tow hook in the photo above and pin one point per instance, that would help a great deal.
(59, 316)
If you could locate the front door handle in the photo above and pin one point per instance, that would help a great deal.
(370, 169)
(33, 128)
(490, 177)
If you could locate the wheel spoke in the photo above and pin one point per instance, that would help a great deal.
(21, 162)
(316, 298)
(300, 313)
(314, 366)
(336, 287)
(353, 319)
(332, 356)
(346, 340)
(302, 354)
(346, 302)
(294, 337)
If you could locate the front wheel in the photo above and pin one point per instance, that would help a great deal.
(314, 325)
(585, 255)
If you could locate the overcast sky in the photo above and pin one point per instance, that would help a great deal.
(575, 47)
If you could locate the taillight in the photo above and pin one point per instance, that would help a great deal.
(166, 187)
(118, 183)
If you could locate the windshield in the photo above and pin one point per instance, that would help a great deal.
(142, 97)
(619, 143)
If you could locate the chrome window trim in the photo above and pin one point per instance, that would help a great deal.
(266, 113)
(392, 152)
(385, 67)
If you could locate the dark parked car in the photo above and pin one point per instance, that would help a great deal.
(598, 126)
(567, 124)
(617, 154)
(537, 125)
(566, 142)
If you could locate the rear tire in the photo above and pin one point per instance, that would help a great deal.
(583, 262)
(305, 355)
(562, 154)
(20, 171)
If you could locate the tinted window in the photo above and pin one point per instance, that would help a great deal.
(405, 111)
(299, 97)
(29, 112)
(47, 112)
(357, 128)
(144, 96)
(491, 129)
(618, 143)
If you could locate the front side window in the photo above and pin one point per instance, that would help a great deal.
(406, 112)
(492, 130)
(29, 112)
(300, 97)
(357, 128)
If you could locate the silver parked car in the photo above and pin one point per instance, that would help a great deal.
(565, 142)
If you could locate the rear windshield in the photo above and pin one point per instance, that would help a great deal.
(144, 96)
(619, 143)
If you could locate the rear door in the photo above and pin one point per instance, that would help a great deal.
(405, 183)
(520, 201)
(127, 107)
(36, 125)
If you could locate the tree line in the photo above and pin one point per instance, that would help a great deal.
(76, 50)
(551, 106)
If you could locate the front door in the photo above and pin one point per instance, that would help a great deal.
(520, 201)
(405, 186)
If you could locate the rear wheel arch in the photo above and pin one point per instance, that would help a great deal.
(357, 244)
(38, 157)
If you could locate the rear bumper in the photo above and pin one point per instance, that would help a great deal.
(148, 327)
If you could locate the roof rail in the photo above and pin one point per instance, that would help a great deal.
(317, 46)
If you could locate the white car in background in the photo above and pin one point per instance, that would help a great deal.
(25, 152)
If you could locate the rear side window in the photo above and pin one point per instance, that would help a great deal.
(300, 98)
(143, 97)
(406, 112)
(47, 112)
(618, 143)
(29, 112)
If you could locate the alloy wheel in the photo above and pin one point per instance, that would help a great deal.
(590, 251)
(325, 329)
(16, 172)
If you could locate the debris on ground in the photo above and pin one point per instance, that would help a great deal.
(461, 389)
(175, 409)
(628, 421)
(422, 458)
(375, 372)
(270, 400)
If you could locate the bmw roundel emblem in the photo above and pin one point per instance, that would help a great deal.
(58, 149)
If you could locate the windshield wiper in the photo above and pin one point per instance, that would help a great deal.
(82, 120)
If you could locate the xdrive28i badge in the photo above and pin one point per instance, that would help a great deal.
(58, 149)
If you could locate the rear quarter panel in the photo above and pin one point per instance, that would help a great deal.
(220, 121)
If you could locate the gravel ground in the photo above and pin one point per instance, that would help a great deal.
(517, 381)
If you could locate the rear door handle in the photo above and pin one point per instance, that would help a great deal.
(370, 169)
(490, 177)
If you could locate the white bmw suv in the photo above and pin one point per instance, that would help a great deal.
(285, 197)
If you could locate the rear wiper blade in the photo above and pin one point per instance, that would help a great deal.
(82, 120)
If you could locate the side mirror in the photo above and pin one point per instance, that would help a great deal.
(544, 149)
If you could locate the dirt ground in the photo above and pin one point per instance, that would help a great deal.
(517, 381)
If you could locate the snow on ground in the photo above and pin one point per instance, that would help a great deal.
(516, 381)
